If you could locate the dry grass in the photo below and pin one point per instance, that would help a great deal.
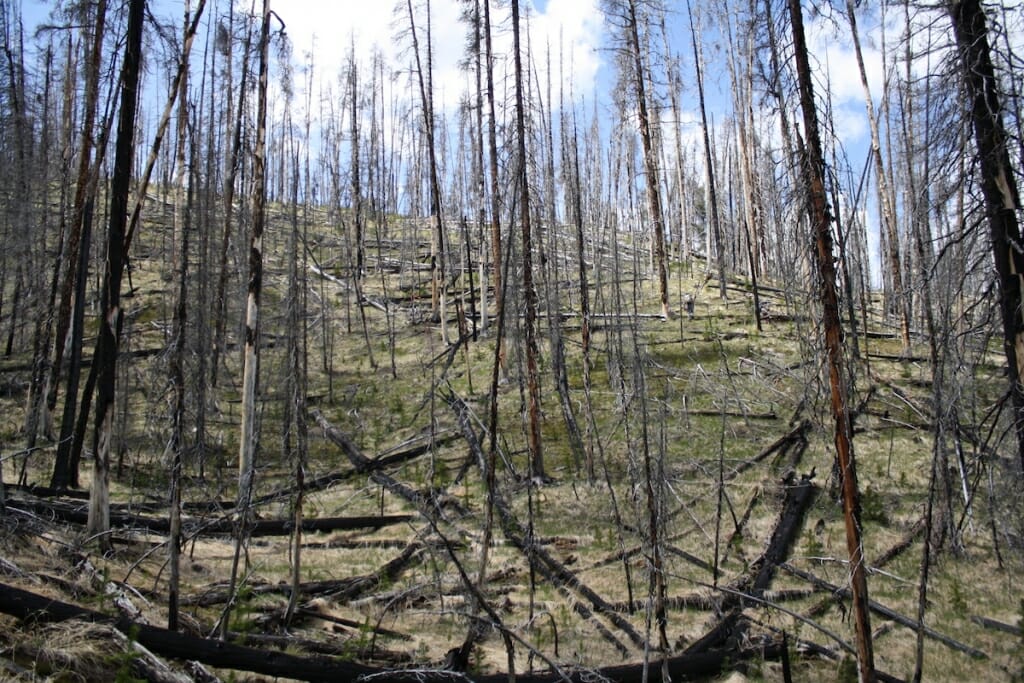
(710, 384)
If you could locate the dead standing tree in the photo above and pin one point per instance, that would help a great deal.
(425, 85)
(529, 290)
(81, 222)
(248, 433)
(110, 322)
(814, 172)
(886, 201)
(630, 16)
(999, 187)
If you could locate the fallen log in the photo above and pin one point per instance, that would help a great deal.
(339, 589)
(985, 622)
(552, 570)
(731, 629)
(884, 611)
(387, 459)
(31, 607)
(796, 435)
(708, 602)
(262, 527)
(797, 499)
(731, 413)
(431, 500)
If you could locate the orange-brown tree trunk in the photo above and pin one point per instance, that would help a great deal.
(814, 166)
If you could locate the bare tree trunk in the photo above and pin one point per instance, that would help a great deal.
(492, 148)
(296, 349)
(357, 205)
(999, 187)
(716, 229)
(182, 224)
(81, 212)
(885, 197)
(529, 291)
(742, 86)
(652, 176)
(248, 438)
(481, 180)
(106, 346)
(220, 327)
(83, 191)
(438, 271)
(814, 165)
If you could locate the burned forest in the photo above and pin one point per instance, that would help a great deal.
(528, 340)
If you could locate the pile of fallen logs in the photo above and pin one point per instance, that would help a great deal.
(735, 636)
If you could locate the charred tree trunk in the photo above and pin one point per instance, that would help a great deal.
(106, 345)
(248, 434)
(84, 190)
(529, 290)
(653, 182)
(886, 201)
(438, 272)
(814, 170)
(999, 187)
(709, 164)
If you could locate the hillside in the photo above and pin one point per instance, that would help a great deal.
(717, 431)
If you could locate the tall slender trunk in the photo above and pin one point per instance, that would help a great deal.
(999, 187)
(533, 436)
(814, 166)
(492, 149)
(481, 180)
(220, 327)
(296, 386)
(742, 87)
(886, 201)
(84, 188)
(106, 347)
(182, 224)
(652, 176)
(81, 213)
(248, 438)
(438, 271)
(715, 228)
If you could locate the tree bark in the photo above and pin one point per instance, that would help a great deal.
(814, 165)
(533, 436)
(887, 204)
(438, 248)
(999, 187)
(248, 438)
(652, 176)
(106, 346)
(715, 227)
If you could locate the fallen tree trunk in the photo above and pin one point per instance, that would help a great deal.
(31, 607)
(796, 435)
(552, 570)
(430, 500)
(263, 527)
(731, 628)
(886, 612)
(384, 460)
(340, 589)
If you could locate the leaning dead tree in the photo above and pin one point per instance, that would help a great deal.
(814, 172)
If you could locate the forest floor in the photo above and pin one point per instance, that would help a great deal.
(717, 430)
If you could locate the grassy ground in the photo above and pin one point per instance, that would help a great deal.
(702, 397)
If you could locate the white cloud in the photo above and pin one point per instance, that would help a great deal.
(329, 27)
